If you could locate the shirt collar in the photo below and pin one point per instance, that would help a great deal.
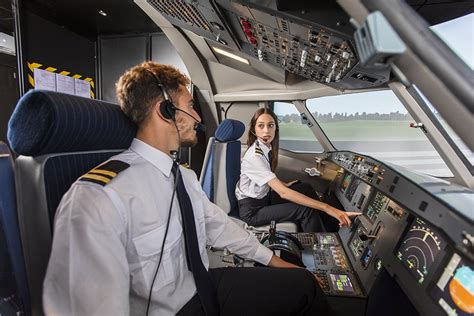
(263, 146)
(155, 156)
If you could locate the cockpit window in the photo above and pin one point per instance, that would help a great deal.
(294, 135)
(458, 34)
(462, 148)
(378, 125)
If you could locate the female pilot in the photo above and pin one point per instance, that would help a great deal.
(255, 191)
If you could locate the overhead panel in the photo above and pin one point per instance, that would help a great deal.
(315, 43)
(200, 17)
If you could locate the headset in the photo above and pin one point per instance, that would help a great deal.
(168, 109)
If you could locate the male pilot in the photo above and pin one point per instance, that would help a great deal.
(136, 245)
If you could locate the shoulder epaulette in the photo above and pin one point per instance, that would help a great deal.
(259, 151)
(104, 173)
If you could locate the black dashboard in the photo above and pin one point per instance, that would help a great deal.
(418, 228)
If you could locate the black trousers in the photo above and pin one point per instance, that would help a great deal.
(258, 212)
(263, 291)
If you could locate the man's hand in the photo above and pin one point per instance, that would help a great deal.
(277, 262)
(341, 216)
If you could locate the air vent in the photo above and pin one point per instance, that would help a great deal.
(182, 11)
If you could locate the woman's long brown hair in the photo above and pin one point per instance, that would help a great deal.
(252, 137)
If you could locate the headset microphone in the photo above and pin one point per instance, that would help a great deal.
(168, 109)
(262, 139)
(199, 127)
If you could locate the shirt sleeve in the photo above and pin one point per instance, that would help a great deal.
(257, 169)
(88, 270)
(223, 232)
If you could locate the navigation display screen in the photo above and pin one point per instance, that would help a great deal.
(454, 291)
(341, 283)
(420, 247)
(345, 181)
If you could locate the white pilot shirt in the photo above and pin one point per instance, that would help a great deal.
(255, 172)
(107, 241)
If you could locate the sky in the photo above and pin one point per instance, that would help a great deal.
(457, 33)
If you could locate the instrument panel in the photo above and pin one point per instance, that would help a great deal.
(324, 255)
(316, 44)
(316, 54)
(420, 239)
(399, 233)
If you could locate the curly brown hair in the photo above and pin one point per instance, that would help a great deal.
(138, 91)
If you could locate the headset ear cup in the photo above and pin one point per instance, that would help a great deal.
(167, 109)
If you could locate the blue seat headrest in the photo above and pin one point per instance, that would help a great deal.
(229, 130)
(50, 122)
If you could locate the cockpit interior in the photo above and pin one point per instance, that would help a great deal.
(375, 109)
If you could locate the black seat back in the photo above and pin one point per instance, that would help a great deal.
(59, 137)
(14, 295)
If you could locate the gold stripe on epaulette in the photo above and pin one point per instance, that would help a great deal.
(104, 172)
(259, 151)
(95, 177)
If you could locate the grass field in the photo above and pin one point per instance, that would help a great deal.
(355, 130)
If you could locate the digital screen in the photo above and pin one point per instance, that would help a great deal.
(341, 283)
(420, 247)
(352, 189)
(454, 291)
(345, 181)
(376, 206)
(366, 256)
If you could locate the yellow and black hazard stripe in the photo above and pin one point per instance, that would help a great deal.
(31, 77)
(104, 173)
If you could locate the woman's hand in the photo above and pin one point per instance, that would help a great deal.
(341, 216)
(289, 184)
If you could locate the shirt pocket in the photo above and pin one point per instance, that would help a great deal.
(148, 249)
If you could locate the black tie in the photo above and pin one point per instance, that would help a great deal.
(270, 157)
(204, 285)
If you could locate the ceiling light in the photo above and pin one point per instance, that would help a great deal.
(233, 56)
(102, 12)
